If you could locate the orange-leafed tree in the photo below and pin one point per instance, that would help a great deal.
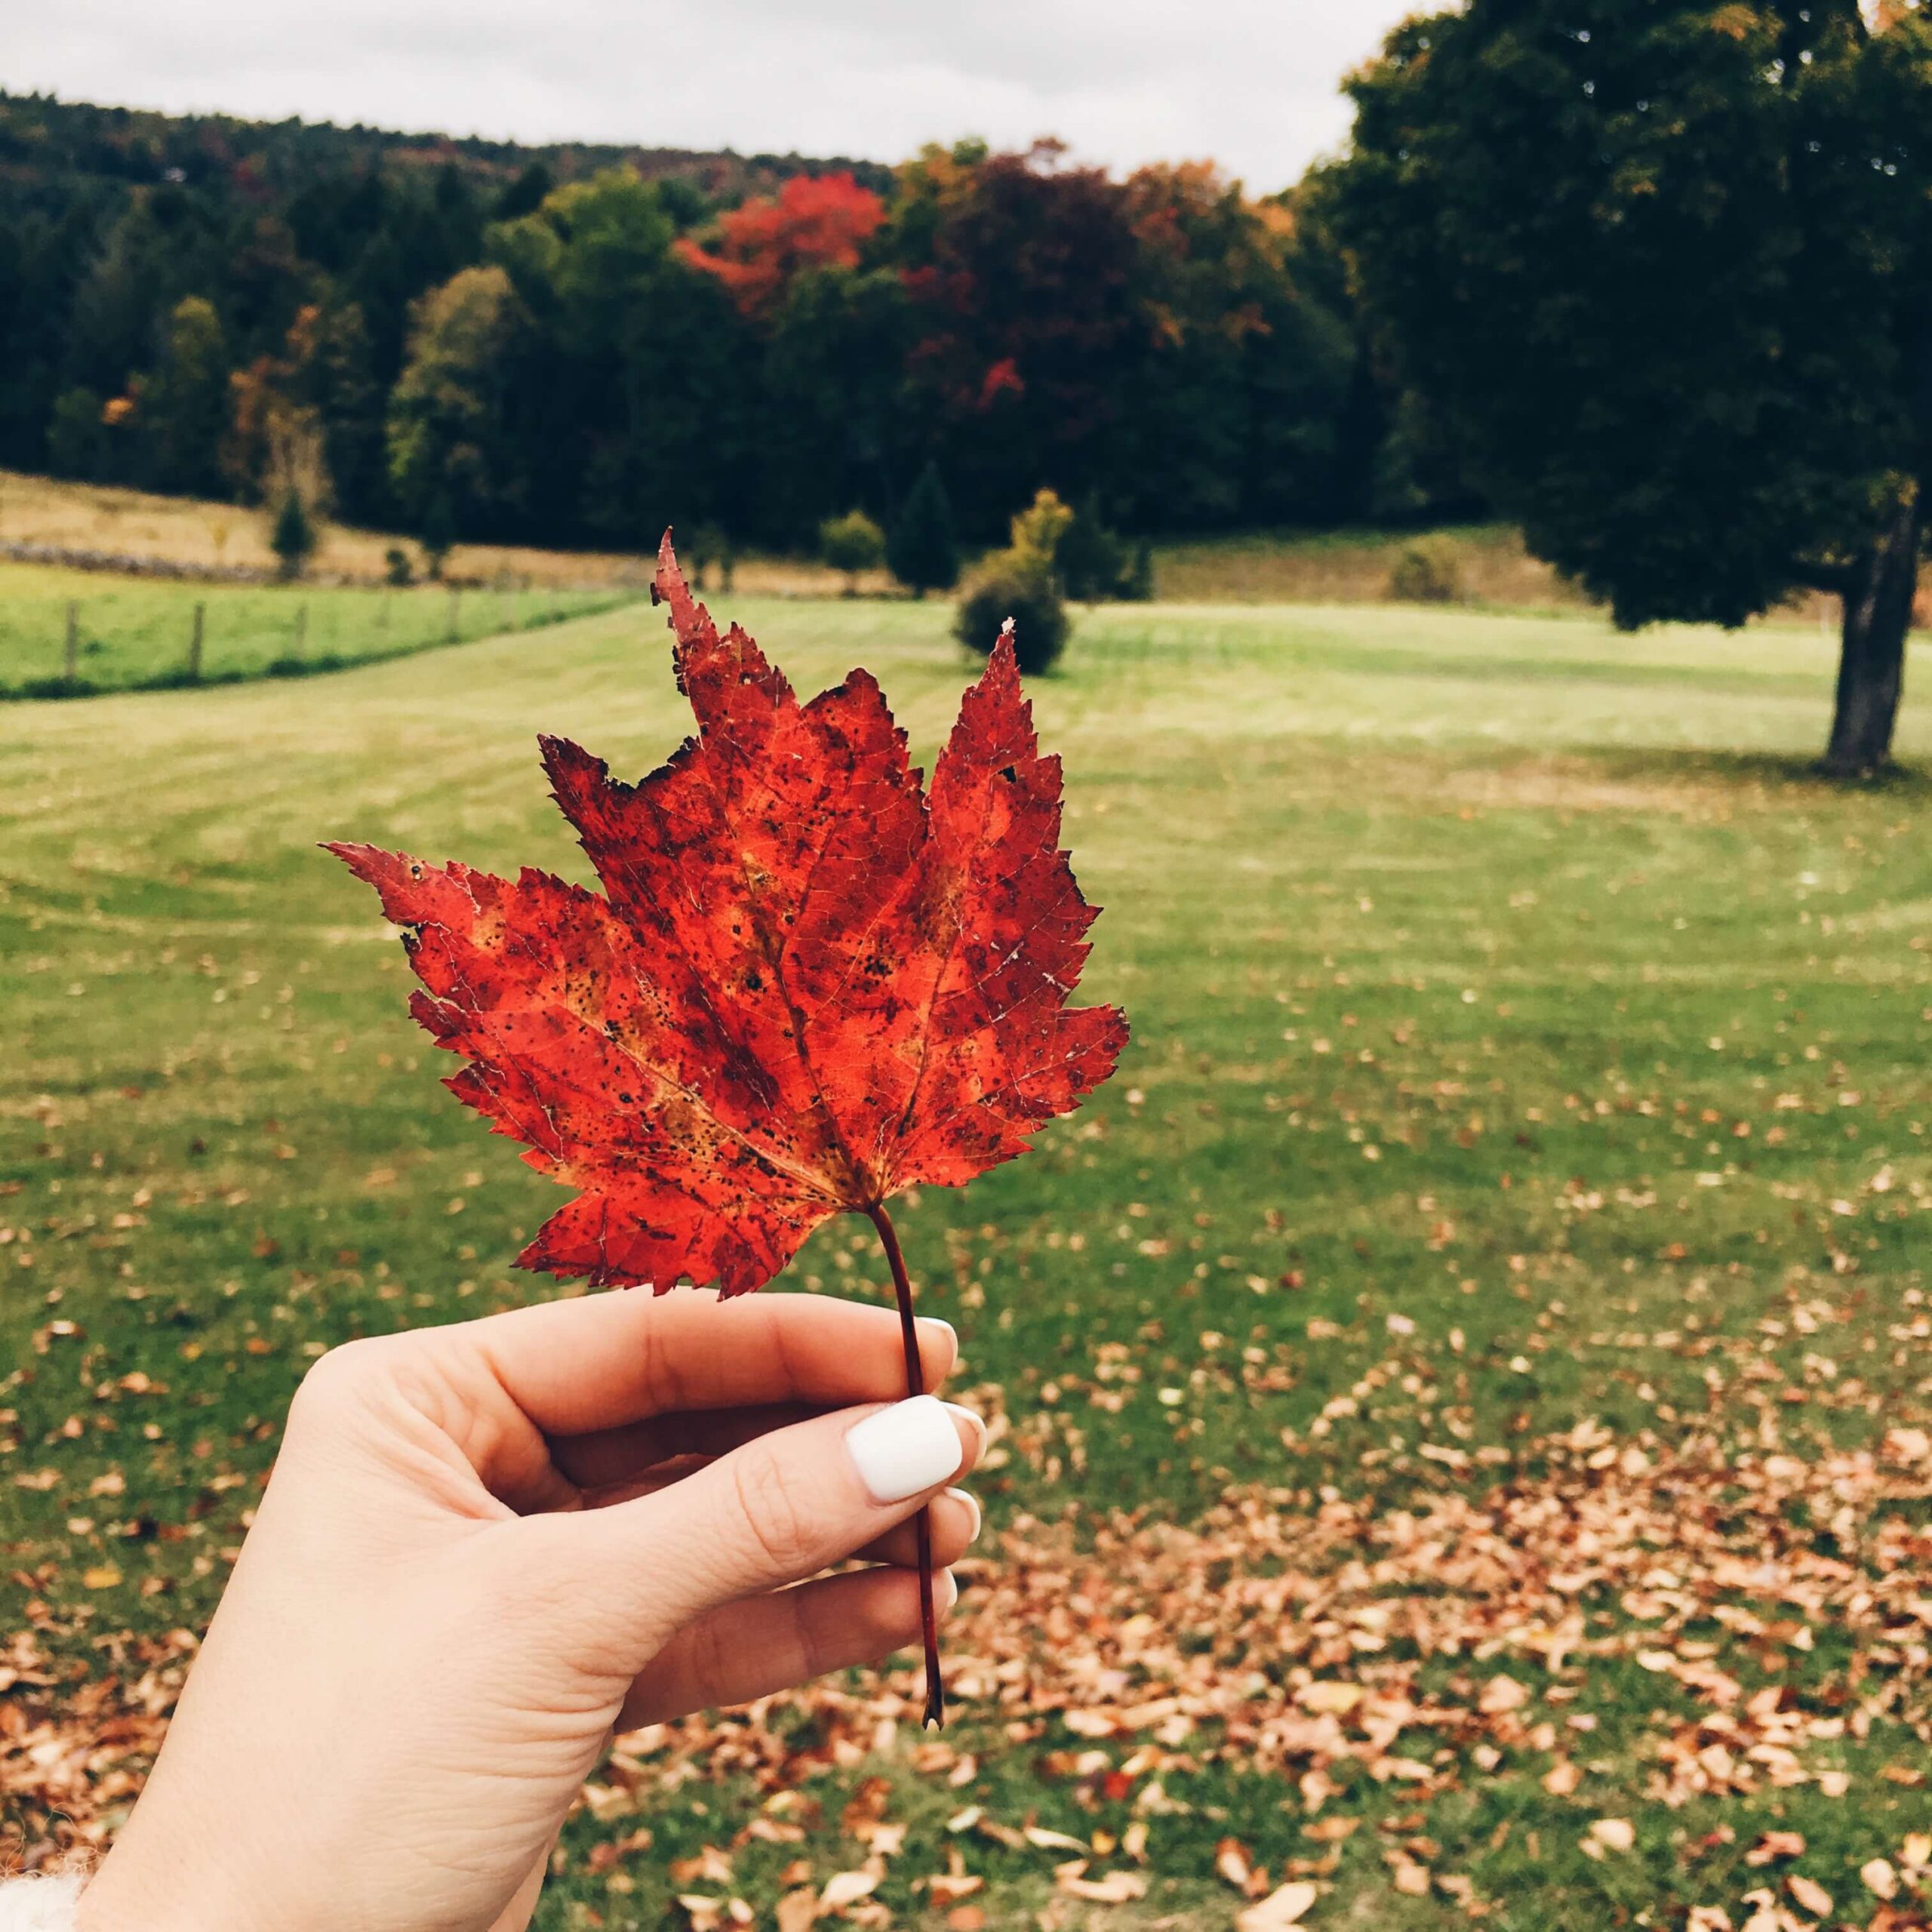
(815, 221)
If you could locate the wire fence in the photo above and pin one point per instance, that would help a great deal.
(154, 637)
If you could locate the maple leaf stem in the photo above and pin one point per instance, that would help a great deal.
(915, 1384)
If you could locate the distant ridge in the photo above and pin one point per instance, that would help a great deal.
(41, 136)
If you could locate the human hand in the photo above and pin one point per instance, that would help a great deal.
(484, 1548)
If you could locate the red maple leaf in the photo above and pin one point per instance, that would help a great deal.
(806, 985)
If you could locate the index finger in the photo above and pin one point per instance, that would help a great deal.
(599, 1360)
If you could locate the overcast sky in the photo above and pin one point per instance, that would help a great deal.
(1250, 83)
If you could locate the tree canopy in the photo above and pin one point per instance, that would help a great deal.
(1664, 274)
(576, 345)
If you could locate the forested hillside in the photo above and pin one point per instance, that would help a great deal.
(577, 345)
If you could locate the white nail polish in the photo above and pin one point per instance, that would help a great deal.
(946, 1591)
(974, 1423)
(899, 1451)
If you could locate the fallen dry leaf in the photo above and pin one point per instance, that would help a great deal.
(844, 1888)
(1116, 1888)
(1810, 1894)
(1284, 1907)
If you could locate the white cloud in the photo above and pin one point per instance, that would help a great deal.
(1252, 84)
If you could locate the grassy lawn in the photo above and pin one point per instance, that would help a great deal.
(1464, 1437)
(132, 633)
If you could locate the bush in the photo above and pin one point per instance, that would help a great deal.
(1039, 618)
(1429, 571)
(852, 542)
(398, 572)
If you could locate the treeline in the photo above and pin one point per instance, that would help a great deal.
(576, 346)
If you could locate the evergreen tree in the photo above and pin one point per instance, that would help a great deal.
(438, 535)
(293, 537)
(920, 552)
(1091, 560)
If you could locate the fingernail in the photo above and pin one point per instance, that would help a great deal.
(946, 1591)
(972, 1502)
(961, 1413)
(912, 1446)
(939, 1326)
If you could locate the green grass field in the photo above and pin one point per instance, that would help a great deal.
(1461, 1388)
(133, 633)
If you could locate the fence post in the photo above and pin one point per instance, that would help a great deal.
(71, 657)
(456, 613)
(194, 644)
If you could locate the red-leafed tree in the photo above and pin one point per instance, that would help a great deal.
(816, 221)
(1023, 273)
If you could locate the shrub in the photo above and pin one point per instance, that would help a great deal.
(1001, 591)
(1036, 534)
(920, 552)
(1429, 571)
(852, 542)
(398, 572)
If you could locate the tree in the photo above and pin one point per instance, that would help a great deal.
(1092, 562)
(852, 542)
(1032, 339)
(815, 221)
(76, 437)
(920, 552)
(449, 416)
(1666, 272)
(438, 535)
(184, 403)
(293, 537)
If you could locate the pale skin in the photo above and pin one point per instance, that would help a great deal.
(486, 1548)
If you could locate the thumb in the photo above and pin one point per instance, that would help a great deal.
(779, 1508)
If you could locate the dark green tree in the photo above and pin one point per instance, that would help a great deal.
(76, 437)
(184, 404)
(1665, 270)
(1091, 561)
(293, 537)
(438, 535)
(920, 550)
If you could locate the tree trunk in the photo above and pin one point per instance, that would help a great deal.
(1878, 614)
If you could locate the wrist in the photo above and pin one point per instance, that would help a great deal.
(171, 1890)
